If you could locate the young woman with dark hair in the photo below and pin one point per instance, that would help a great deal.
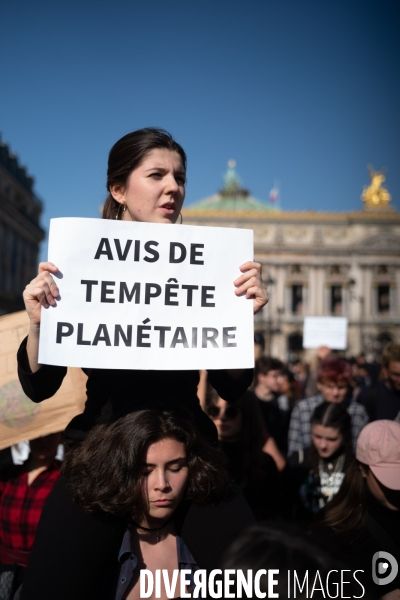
(125, 157)
(146, 183)
(318, 471)
(106, 472)
(149, 466)
(146, 468)
(146, 180)
(364, 517)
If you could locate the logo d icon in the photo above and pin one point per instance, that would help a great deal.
(383, 568)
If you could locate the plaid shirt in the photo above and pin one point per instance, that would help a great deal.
(21, 506)
(300, 422)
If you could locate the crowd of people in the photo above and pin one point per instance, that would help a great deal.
(179, 469)
(330, 467)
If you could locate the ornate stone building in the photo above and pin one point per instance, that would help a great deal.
(319, 264)
(20, 232)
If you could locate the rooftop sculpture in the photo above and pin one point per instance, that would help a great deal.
(376, 195)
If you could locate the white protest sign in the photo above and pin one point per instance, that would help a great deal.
(325, 331)
(147, 296)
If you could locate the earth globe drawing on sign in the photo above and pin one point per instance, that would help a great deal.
(16, 410)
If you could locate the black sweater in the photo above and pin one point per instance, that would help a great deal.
(262, 490)
(380, 401)
(112, 392)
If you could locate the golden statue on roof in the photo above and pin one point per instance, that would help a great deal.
(376, 194)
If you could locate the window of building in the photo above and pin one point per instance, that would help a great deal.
(297, 299)
(382, 270)
(336, 300)
(296, 269)
(382, 340)
(295, 342)
(335, 270)
(383, 299)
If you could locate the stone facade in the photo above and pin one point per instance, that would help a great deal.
(20, 232)
(321, 264)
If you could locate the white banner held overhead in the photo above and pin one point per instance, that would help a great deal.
(325, 331)
(147, 296)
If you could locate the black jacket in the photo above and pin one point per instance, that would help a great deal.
(380, 401)
(113, 392)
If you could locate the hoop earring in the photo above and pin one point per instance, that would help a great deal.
(118, 215)
(181, 221)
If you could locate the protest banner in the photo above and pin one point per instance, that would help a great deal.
(325, 331)
(20, 418)
(147, 296)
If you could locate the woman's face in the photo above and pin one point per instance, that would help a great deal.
(228, 421)
(327, 440)
(165, 475)
(155, 190)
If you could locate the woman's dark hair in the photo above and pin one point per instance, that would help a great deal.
(105, 472)
(332, 414)
(252, 435)
(128, 153)
(265, 364)
(348, 509)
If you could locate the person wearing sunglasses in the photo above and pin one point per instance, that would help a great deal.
(242, 438)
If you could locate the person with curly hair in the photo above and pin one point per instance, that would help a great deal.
(148, 467)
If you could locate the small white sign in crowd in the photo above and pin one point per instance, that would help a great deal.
(325, 331)
(147, 296)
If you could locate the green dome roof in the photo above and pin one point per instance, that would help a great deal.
(220, 202)
(232, 197)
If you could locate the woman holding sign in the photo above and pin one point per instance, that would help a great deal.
(146, 182)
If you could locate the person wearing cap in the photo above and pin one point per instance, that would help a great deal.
(364, 518)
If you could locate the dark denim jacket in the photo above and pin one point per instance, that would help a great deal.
(128, 564)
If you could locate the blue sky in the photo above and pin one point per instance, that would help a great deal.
(305, 92)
